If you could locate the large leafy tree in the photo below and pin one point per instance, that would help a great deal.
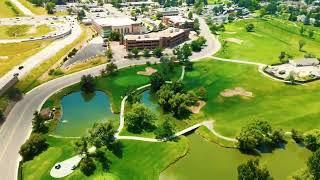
(87, 84)
(81, 145)
(102, 134)
(251, 170)
(38, 123)
(312, 139)
(314, 164)
(33, 146)
(87, 166)
(156, 80)
(140, 119)
(166, 129)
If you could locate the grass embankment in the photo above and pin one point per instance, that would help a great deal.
(25, 31)
(140, 160)
(269, 39)
(32, 79)
(284, 106)
(8, 9)
(34, 9)
(15, 53)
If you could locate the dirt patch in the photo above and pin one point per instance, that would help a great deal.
(230, 32)
(148, 71)
(238, 91)
(196, 109)
(235, 40)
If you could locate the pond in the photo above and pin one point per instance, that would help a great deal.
(81, 111)
(150, 102)
(207, 160)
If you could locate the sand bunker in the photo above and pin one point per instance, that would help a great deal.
(196, 109)
(147, 72)
(234, 40)
(238, 91)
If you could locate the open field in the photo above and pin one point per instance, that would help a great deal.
(269, 38)
(8, 9)
(25, 31)
(284, 106)
(14, 53)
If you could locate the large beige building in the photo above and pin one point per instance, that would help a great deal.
(166, 38)
(122, 24)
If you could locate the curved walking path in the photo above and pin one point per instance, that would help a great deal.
(18, 125)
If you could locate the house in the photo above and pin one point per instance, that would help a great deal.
(178, 22)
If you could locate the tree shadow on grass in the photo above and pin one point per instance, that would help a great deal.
(117, 149)
(101, 157)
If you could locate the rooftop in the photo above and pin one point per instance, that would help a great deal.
(115, 21)
(178, 19)
(170, 32)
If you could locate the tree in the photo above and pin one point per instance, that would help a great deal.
(38, 123)
(111, 68)
(167, 65)
(161, 26)
(202, 93)
(180, 103)
(50, 7)
(87, 84)
(140, 119)
(15, 94)
(250, 27)
(158, 52)
(302, 43)
(190, 15)
(186, 51)
(81, 146)
(165, 130)
(196, 25)
(312, 139)
(87, 166)
(314, 164)
(81, 14)
(196, 46)
(135, 52)
(282, 57)
(102, 135)
(114, 36)
(146, 52)
(109, 53)
(253, 135)
(33, 146)
(297, 136)
(159, 15)
(291, 77)
(156, 80)
(251, 170)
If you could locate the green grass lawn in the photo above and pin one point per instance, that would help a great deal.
(8, 9)
(284, 106)
(26, 31)
(140, 160)
(269, 38)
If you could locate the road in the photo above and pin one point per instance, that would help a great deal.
(17, 127)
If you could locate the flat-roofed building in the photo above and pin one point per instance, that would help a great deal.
(122, 24)
(166, 38)
(169, 11)
(178, 22)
